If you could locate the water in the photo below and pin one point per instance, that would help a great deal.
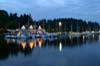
(77, 51)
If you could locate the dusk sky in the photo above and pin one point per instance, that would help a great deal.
(81, 9)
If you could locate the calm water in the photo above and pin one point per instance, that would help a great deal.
(77, 51)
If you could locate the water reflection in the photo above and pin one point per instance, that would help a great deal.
(32, 44)
(60, 46)
(99, 38)
(40, 41)
(23, 46)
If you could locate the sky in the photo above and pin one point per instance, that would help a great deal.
(88, 10)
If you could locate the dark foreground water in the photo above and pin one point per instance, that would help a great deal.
(77, 51)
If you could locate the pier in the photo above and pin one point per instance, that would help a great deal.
(31, 33)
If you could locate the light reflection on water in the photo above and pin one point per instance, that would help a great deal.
(60, 46)
(77, 51)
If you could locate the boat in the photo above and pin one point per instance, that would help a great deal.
(28, 32)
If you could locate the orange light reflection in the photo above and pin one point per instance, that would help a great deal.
(32, 44)
(40, 42)
(23, 44)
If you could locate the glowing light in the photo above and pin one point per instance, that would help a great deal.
(31, 44)
(23, 27)
(60, 46)
(92, 31)
(40, 42)
(83, 37)
(40, 27)
(60, 24)
(31, 27)
(23, 44)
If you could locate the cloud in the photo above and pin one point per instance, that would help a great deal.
(54, 8)
(38, 3)
(12, 4)
(50, 3)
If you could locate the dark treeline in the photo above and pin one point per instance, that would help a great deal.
(13, 21)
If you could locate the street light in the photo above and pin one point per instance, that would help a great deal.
(60, 24)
